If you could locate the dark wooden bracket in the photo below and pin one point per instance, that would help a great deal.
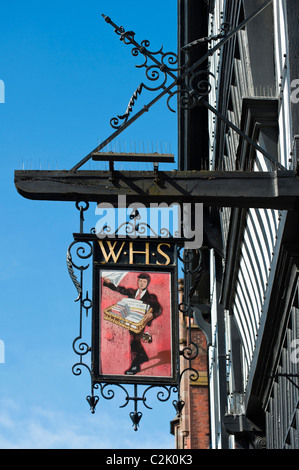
(272, 190)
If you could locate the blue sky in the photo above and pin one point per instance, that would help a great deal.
(66, 75)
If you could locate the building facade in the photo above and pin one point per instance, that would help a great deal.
(248, 292)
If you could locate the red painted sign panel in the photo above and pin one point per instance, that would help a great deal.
(134, 315)
(135, 312)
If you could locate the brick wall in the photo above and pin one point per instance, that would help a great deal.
(199, 422)
(192, 430)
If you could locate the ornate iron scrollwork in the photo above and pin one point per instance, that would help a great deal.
(192, 267)
(83, 253)
(135, 229)
(166, 65)
(162, 66)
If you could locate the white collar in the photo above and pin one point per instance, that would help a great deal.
(142, 292)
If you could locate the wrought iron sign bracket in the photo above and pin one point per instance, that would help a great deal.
(187, 80)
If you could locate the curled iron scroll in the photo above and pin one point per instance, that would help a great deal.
(83, 254)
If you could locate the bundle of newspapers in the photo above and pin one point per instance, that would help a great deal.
(130, 309)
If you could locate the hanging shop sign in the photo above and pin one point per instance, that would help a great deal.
(134, 343)
(134, 327)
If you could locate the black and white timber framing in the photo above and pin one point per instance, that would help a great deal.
(253, 252)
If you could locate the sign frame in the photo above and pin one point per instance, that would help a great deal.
(169, 271)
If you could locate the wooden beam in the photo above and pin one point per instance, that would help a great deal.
(274, 190)
(133, 157)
